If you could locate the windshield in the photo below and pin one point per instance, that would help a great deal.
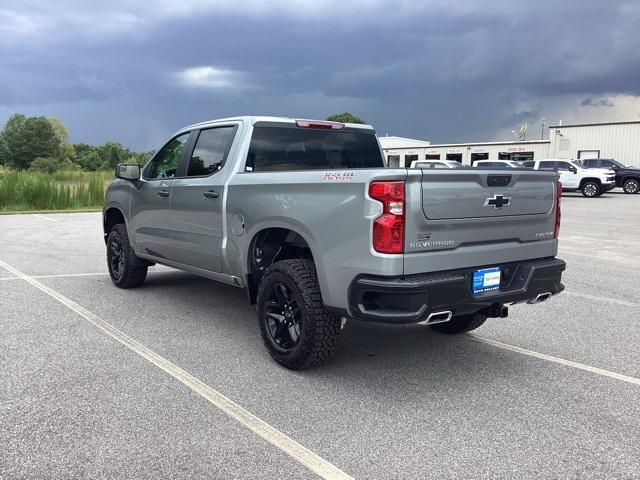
(454, 165)
(578, 163)
(278, 148)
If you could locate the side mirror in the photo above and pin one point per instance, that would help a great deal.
(128, 171)
(573, 169)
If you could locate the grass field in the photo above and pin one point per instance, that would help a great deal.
(66, 190)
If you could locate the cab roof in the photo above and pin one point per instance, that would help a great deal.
(253, 119)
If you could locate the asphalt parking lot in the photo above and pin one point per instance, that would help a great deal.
(551, 392)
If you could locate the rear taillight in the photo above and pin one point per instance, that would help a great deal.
(388, 228)
(556, 230)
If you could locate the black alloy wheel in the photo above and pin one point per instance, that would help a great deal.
(295, 327)
(631, 186)
(125, 269)
(590, 189)
(116, 258)
(283, 317)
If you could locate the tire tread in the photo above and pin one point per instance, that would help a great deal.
(322, 328)
(133, 276)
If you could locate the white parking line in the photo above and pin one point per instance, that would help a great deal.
(62, 275)
(306, 457)
(45, 218)
(561, 361)
(66, 275)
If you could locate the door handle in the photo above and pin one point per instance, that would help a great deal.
(211, 194)
(163, 193)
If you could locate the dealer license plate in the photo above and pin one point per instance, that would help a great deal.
(486, 279)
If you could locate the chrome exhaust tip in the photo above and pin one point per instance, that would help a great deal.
(439, 317)
(540, 298)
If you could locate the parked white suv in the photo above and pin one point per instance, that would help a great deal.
(435, 164)
(592, 182)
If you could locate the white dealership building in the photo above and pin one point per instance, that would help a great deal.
(617, 140)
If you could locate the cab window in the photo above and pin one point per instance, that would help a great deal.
(284, 148)
(210, 151)
(165, 163)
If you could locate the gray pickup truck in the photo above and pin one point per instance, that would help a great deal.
(306, 217)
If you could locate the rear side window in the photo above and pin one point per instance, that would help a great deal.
(547, 165)
(592, 163)
(292, 148)
(210, 151)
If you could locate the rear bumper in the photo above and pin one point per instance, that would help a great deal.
(412, 298)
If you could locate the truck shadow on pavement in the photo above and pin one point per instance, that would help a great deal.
(368, 355)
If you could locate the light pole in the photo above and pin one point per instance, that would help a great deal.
(542, 121)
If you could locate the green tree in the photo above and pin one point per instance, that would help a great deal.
(113, 153)
(45, 165)
(345, 117)
(25, 139)
(66, 151)
(3, 149)
(89, 160)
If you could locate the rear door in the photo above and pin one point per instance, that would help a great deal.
(197, 199)
(150, 202)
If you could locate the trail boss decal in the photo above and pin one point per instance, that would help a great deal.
(338, 177)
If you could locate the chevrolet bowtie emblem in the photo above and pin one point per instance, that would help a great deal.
(498, 201)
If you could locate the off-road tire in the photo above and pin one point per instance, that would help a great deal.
(631, 186)
(319, 329)
(123, 273)
(460, 324)
(590, 189)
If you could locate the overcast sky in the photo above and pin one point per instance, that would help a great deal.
(439, 70)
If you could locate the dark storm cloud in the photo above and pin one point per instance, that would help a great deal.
(437, 70)
(603, 102)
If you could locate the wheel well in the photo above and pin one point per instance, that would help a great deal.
(112, 217)
(585, 180)
(630, 177)
(269, 246)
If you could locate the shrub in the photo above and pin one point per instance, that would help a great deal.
(45, 165)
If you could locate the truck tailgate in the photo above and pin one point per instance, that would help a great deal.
(465, 193)
(463, 218)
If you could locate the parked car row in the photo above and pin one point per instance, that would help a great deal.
(592, 177)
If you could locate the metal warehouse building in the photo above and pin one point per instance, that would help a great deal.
(617, 140)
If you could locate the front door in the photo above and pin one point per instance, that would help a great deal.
(150, 202)
(196, 200)
(568, 175)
